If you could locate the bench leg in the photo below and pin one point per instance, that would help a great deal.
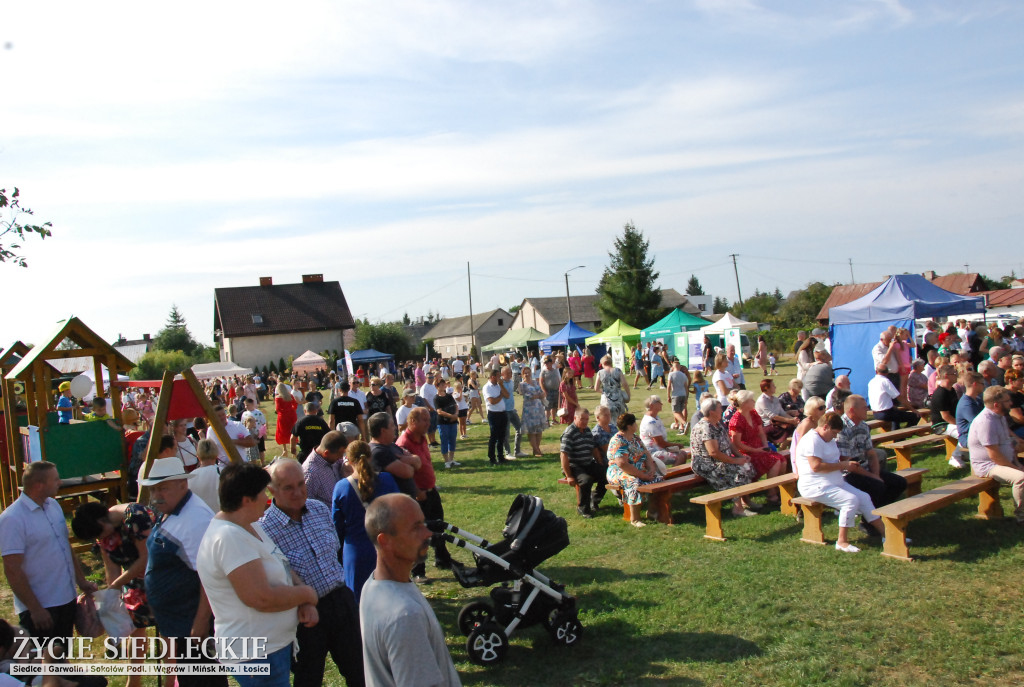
(951, 445)
(713, 514)
(661, 506)
(914, 488)
(903, 459)
(813, 533)
(788, 493)
(989, 507)
(895, 545)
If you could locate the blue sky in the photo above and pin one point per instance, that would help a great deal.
(385, 144)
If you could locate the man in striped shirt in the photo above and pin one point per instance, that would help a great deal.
(583, 464)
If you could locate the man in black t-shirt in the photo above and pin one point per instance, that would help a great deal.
(308, 431)
(316, 397)
(386, 457)
(344, 408)
(943, 406)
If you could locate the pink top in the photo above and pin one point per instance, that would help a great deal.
(905, 360)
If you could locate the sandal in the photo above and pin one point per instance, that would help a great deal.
(637, 523)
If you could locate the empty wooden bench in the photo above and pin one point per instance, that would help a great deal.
(900, 434)
(813, 510)
(713, 502)
(905, 449)
(896, 516)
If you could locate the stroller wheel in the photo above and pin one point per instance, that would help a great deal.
(487, 644)
(566, 630)
(473, 615)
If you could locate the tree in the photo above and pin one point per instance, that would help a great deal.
(405, 319)
(387, 337)
(18, 231)
(693, 287)
(801, 308)
(996, 284)
(720, 306)
(152, 365)
(628, 287)
(175, 335)
(760, 307)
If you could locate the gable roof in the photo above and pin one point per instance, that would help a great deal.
(842, 294)
(670, 298)
(281, 309)
(90, 343)
(1002, 298)
(584, 308)
(459, 326)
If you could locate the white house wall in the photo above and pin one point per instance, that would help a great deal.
(252, 351)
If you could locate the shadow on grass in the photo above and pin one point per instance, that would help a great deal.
(972, 539)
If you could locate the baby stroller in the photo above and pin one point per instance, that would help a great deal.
(525, 597)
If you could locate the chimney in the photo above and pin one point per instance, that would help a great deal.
(266, 281)
(145, 337)
(312, 278)
(929, 275)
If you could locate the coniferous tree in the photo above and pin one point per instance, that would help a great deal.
(628, 288)
(693, 287)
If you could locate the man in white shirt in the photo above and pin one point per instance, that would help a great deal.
(735, 367)
(882, 396)
(884, 353)
(38, 563)
(457, 367)
(654, 436)
(993, 447)
(236, 432)
(428, 392)
(494, 395)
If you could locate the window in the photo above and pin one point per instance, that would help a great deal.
(500, 321)
(257, 319)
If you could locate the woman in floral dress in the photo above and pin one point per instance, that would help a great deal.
(609, 382)
(713, 457)
(534, 420)
(630, 465)
(120, 533)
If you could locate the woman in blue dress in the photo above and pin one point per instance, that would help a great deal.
(351, 497)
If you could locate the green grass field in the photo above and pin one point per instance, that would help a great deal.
(663, 605)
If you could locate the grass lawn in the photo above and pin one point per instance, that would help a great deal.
(662, 605)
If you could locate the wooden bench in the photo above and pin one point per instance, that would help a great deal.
(876, 424)
(670, 473)
(899, 434)
(905, 449)
(713, 502)
(660, 494)
(896, 516)
(813, 510)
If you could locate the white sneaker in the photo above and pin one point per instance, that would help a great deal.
(456, 464)
(849, 548)
(521, 454)
(956, 462)
(447, 464)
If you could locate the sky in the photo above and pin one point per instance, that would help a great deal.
(180, 148)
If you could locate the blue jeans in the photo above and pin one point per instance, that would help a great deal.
(280, 670)
(448, 433)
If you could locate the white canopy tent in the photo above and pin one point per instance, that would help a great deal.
(221, 369)
(728, 321)
(309, 362)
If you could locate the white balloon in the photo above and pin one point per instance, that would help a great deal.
(81, 386)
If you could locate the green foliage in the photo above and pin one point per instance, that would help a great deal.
(405, 319)
(281, 367)
(780, 339)
(995, 284)
(515, 308)
(628, 288)
(693, 287)
(387, 337)
(760, 307)
(802, 307)
(9, 224)
(720, 306)
(152, 365)
(175, 335)
(273, 367)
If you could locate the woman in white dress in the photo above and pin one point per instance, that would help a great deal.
(821, 478)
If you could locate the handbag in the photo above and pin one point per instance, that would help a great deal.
(87, 618)
(113, 614)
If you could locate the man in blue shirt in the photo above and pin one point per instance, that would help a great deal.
(303, 530)
(967, 408)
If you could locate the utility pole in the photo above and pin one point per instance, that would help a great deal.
(568, 303)
(852, 280)
(736, 272)
(472, 329)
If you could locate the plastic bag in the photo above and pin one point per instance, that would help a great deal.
(113, 613)
(87, 620)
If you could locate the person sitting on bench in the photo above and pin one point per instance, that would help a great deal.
(582, 463)
(630, 465)
(993, 447)
(883, 396)
(821, 478)
(854, 443)
(714, 458)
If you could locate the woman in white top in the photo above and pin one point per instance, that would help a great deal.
(821, 478)
(722, 380)
(186, 445)
(251, 588)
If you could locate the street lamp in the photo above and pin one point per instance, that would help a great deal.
(568, 305)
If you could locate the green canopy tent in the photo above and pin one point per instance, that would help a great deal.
(664, 330)
(516, 338)
(618, 338)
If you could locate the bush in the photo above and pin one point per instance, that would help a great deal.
(152, 365)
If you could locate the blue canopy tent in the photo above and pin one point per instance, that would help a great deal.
(570, 335)
(854, 327)
(367, 356)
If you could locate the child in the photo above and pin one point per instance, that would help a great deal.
(252, 453)
(99, 411)
(65, 406)
(700, 387)
(771, 364)
(460, 398)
